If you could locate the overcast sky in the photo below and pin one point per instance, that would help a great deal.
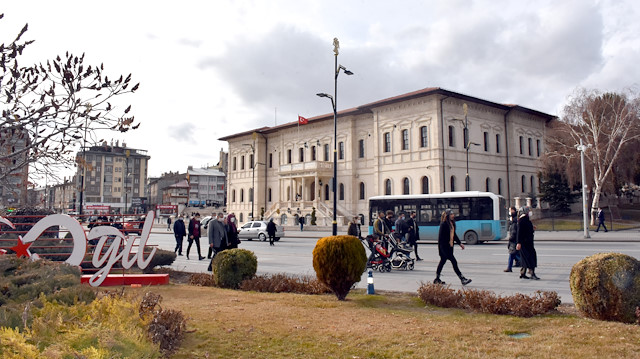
(208, 69)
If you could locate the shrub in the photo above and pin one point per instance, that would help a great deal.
(284, 283)
(606, 286)
(166, 327)
(161, 258)
(232, 266)
(202, 279)
(484, 301)
(339, 262)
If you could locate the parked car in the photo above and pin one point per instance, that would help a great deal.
(204, 224)
(258, 229)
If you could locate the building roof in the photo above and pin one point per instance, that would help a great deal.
(204, 172)
(366, 108)
(181, 184)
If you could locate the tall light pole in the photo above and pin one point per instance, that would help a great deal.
(127, 153)
(334, 104)
(585, 219)
(467, 144)
(253, 177)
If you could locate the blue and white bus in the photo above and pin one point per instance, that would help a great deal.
(480, 216)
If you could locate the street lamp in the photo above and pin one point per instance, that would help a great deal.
(467, 144)
(334, 104)
(126, 179)
(253, 177)
(583, 148)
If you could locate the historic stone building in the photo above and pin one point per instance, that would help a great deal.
(414, 143)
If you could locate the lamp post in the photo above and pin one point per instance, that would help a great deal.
(253, 177)
(585, 219)
(127, 153)
(334, 104)
(467, 144)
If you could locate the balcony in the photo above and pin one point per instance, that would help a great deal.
(322, 168)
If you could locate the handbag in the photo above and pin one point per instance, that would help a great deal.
(511, 247)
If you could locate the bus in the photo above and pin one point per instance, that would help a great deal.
(480, 216)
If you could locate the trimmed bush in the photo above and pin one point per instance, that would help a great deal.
(161, 258)
(232, 266)
(284, 283)
(339, 262)
(606, 286)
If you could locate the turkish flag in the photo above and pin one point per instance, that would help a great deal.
(302, 120)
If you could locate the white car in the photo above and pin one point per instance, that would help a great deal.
(258, 229)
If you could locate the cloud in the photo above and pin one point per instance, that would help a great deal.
(182, 132)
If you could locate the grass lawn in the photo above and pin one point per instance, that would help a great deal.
(234, 324)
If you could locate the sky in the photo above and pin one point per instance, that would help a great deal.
(209, 69)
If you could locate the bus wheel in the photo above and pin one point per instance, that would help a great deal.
(471, 238)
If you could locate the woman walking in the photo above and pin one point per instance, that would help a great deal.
(446, 238)
(528, 255)
(514, 256)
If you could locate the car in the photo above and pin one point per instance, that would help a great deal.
(204, 223)
(258, 229)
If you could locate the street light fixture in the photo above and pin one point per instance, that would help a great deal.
(334, 104)
(253, 177)
(467, 145)
(581, 147)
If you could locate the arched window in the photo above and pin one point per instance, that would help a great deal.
(242, 195)
(387, 187)
(405, 186)
(523, 183)
(362, 195)
(453, 183)
(487, 185)
(533, 188)
(341, 192)
(500, 186)
(425, 185)
(233, 196)
(241, 218)
(269, 195)
(326, 192)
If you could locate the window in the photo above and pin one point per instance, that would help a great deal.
(241, 195)
(425, 185)
(251, 161)
(326, 152)
(313, 153)
(242, 162)
(453, 183)
(341, 150)
(326, 192)
(387, 142)
(251, 194)
(423, 137)
(269, 195)
(538, 148)
(452, 136)
(521, 145)
(387, 187)
(362, 196)
(301, 154)
(288, 156)
(530, 146)
(500, 186)
(360, 148)
(405, 186)
(497, 143)
(487, 185)
(533, 189)
(341, 192)
(405, 140)
(486, 141)
(270, 160)
(523, 180)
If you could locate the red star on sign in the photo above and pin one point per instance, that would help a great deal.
(21, 249)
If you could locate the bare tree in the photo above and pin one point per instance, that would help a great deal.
(609, 123)
(49, 109)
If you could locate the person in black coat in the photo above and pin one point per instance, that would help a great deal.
(413, 233)
(179, 231)
(446, 238)
(271, 231)
(528, 256)
(354, 228)
(194, 235)
(514, 256)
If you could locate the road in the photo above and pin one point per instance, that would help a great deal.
(484, 263)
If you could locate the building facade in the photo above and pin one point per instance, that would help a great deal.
(14, 164)
(113, 175)
(419, 142)
(206, 186)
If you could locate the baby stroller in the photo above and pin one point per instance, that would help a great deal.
(379, 256)
(400, 254)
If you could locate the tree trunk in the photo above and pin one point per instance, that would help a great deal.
(595, 203)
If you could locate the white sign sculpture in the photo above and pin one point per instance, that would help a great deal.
(103, 263)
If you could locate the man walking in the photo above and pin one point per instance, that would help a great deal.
(168, 223)
(601, 220)
(271, 231)
(413, 233)
(179, 231)
(301, 221)
(218, 239)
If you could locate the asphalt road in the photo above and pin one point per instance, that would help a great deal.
(484, 263)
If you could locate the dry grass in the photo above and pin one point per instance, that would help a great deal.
(236, 324)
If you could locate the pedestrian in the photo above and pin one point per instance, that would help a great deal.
(301, 221)
(232, 231)
(380, 228)
(601, 220)
(512, 232)
(218, 239)
(179, 231)
(194, 235)
(401, 228)
(271, 231)
(528, 256)
(388, 220)
(413, 233)
(169, 223)
(354, 228)
(446, 238)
